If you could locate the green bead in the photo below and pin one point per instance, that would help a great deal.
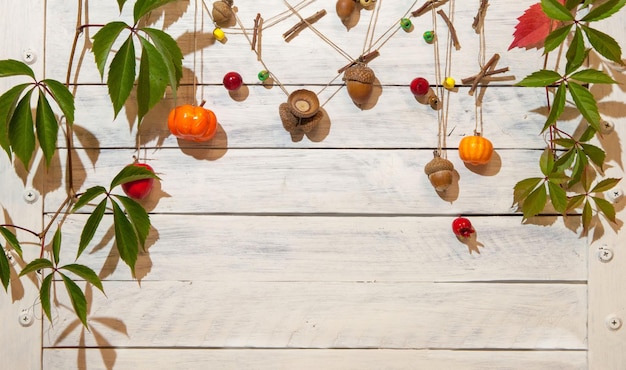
(405, 23)
(429, 36)
(263, 75)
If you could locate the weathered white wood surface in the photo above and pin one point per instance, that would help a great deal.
(20, 346)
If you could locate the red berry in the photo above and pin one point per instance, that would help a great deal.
(462, 227)
(232, 81)
(420, 86)
(139, 189)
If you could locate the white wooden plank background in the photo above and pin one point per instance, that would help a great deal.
(333, 251)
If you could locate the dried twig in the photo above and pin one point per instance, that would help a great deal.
(470, 80)
(256, 31)
(366, 58)
(258, 40)
(293, 31)
(480, 16)
(427, 6)
(455, 38)
(491, 63)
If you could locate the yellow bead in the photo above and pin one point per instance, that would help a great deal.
(366, 3)
(218, 34)
(449, 83)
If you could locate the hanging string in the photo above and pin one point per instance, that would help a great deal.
(395, 28)
(371, 28)
(478, 106)
(442, 93)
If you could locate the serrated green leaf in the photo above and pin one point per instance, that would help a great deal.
(546, 162)
(558, 106)
(556, 38)
(8, 101)
(11, 240)
(138, 217)
(604, 44)
(86, 273)
(122, 75)
(171, 54)
(576, 53)
(63, 97)
(564, 142)
(587, 215)
(604, 11)
(88, 196)
(12, 67)
(558, 178)
(103, 41)
(121, 3)
(580, 164)
(44, 295)
(575, 202)
(565, 160)
(152, 80)
(125, 238)
(589, 133)
(542, 78)
(535, 202)
(132, 173)
(593, 76)
(56, 246)
(77, 297)
(558, 197)
(605, 185)
(556, 10)
(47, 127)
(37, 264)
(525, 187)
(594, 153)
(91, 226)
(143, 7)
(22, 131)
(605, 207)
(5, 270)
(586, 103)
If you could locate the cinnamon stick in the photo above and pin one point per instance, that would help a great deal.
(494, 59)
(303, 24)
(256, 31)
(480, 16)
(453, 35)
(366, 58)
(468, 80)
(426, 6)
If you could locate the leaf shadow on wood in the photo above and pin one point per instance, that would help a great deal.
(170, 13)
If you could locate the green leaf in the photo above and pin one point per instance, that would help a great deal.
(575, 202)
(77, 297)
(86, 273)
(604, 44)
(142, 7)
(63, 97)
(11, 240)
(171, 54)
(542, 78)
(122, 75)
(580, 164)
(555, 10)
(138, 217)
(558, 197)
(587, 215)
(589, 133)
(566, 143)
(152, 80)
(586, 103)
(88, 196)
(604, 11)
(593, 76)
(44, 295)
(56, 246)
(91, 226)
(535, 202)
(21, 130)
(8, 101)
(565, 160)
(606, 208)
(546, 162)
(556, 38)
(38, 264)
(576, 52)
(558, 178)
(121, 3)
(12, 67)
(5, 270)
(132, 173)
(525, 187)
(125, 238)
(558, 106)
(605, 185)
(594, 153)
(47, 127)
(103, 41)
(571, 4)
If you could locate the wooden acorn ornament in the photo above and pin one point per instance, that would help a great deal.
(345, 8)
(222, 11)
(359, 80)
(440, 172)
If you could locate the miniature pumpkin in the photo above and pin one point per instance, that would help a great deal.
(475, 150)
(194, 123)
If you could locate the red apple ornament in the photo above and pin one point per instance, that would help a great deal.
(419, 86)
(462, 227)
(232, 81)
(139, 189)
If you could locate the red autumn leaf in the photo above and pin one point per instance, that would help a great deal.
(533, 28)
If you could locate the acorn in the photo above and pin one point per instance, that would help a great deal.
(222, 11)
(359, 81)
(440, 172)
(345, 8)
(293, 124)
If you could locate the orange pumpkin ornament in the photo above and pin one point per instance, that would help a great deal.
(475, 150)
(195, 123)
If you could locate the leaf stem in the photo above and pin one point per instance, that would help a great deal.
(23, 229)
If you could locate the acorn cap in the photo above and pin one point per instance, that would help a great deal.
(303, 103)
(222, 11)
(292, 123)
(438, 164)
(361, 73)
